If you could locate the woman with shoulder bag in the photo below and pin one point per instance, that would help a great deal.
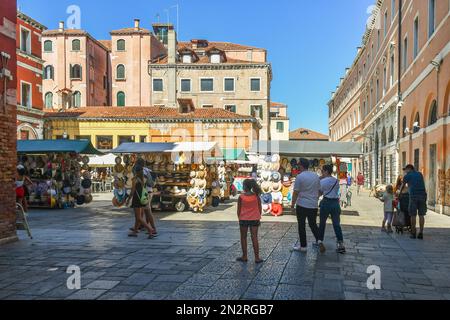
(329, 206)
(139, 201)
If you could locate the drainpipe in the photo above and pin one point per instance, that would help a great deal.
(399, 85)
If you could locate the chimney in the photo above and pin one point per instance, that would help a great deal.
(61, 26)
(172, 46)
(137, 23)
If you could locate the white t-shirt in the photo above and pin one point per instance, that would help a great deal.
(307, 185)
(329, 186)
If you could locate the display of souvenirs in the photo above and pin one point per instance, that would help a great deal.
(197, 196)
(60, 180)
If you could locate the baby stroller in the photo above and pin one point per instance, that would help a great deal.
(402, 219)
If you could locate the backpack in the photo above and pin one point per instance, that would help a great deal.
(150, 182)
(144, 197)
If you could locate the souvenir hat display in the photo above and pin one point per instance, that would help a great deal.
(57, 179)
(197, 195)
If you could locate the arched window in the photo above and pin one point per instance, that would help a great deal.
(48, 72)
(383, 137)
(75, 71)
(121, 45)
(76, 99)
(121, 99)
(120, 74)
(49, 100)
(433, 113)
(76, 45)
(391, 135)
(48, 46)
(404, 127)
(416, 124)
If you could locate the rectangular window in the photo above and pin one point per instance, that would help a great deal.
(255, 84)
(143, 139)
(384, 81)
(431, 17)
(403, 159)
(416, 158)
(207, 106)
(392, 71)
(158, 85)
(416, 37)
(125, 139)
(280, 127)
(207, 85)
(185, 85)
(229, 85)
(104, 142)
(25, 94)
(25, 40)
(88, 138)
(231, 108)
(385, 23)
(256, 112)
(392, 10)
(405, 54)
(378, 39)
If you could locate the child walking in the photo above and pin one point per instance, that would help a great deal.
(249, 215)
(388, 199)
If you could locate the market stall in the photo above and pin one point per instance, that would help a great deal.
(59, 170)
(181, 174)
(234, 168)
(101, 171)
(278, 166)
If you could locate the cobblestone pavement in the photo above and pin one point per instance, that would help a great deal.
(194, 258)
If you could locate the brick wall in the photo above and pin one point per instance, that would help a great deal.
(8, 9)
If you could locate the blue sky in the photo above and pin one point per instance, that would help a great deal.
(310, 42)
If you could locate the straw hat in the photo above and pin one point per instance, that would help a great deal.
(276, 176)
(276, 186)
(266, 198)
(276, 158)
(284, 163)
(277, 209)
(201, 167)
(193, 174)
(267, 208)
(201, 174)
(201, 183)
(265, 175)
(266, 186)
(277, 197)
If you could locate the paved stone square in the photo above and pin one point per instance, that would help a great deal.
(194, 258)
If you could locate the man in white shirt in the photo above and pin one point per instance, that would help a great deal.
(329, 206)
(305, 200)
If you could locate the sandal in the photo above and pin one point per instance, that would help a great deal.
(259, 261)
(151, 237)
(241, 259)
(132, 235)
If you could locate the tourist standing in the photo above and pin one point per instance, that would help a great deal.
(139, 201)
(417, 199)
(249, 214)
(359, 183)
(403, 199)
(329, 206)
(305, 200)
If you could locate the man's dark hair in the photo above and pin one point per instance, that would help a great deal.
(304, 163)
(409, 167)
(328, 169)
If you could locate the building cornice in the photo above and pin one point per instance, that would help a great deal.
(211, 66)
(32, 57)
(31, 21)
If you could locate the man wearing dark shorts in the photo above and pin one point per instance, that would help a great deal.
(417, 199)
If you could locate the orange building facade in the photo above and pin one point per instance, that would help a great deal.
(395, 97)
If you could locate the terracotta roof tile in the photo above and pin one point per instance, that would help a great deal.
(277, 105)
(106, 43)
(148, 113)
(130, 31)
(224, 46)
(306, 134)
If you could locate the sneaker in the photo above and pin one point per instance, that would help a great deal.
(420, 236)
(299, 249)
(340, 248)
(322, 248)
